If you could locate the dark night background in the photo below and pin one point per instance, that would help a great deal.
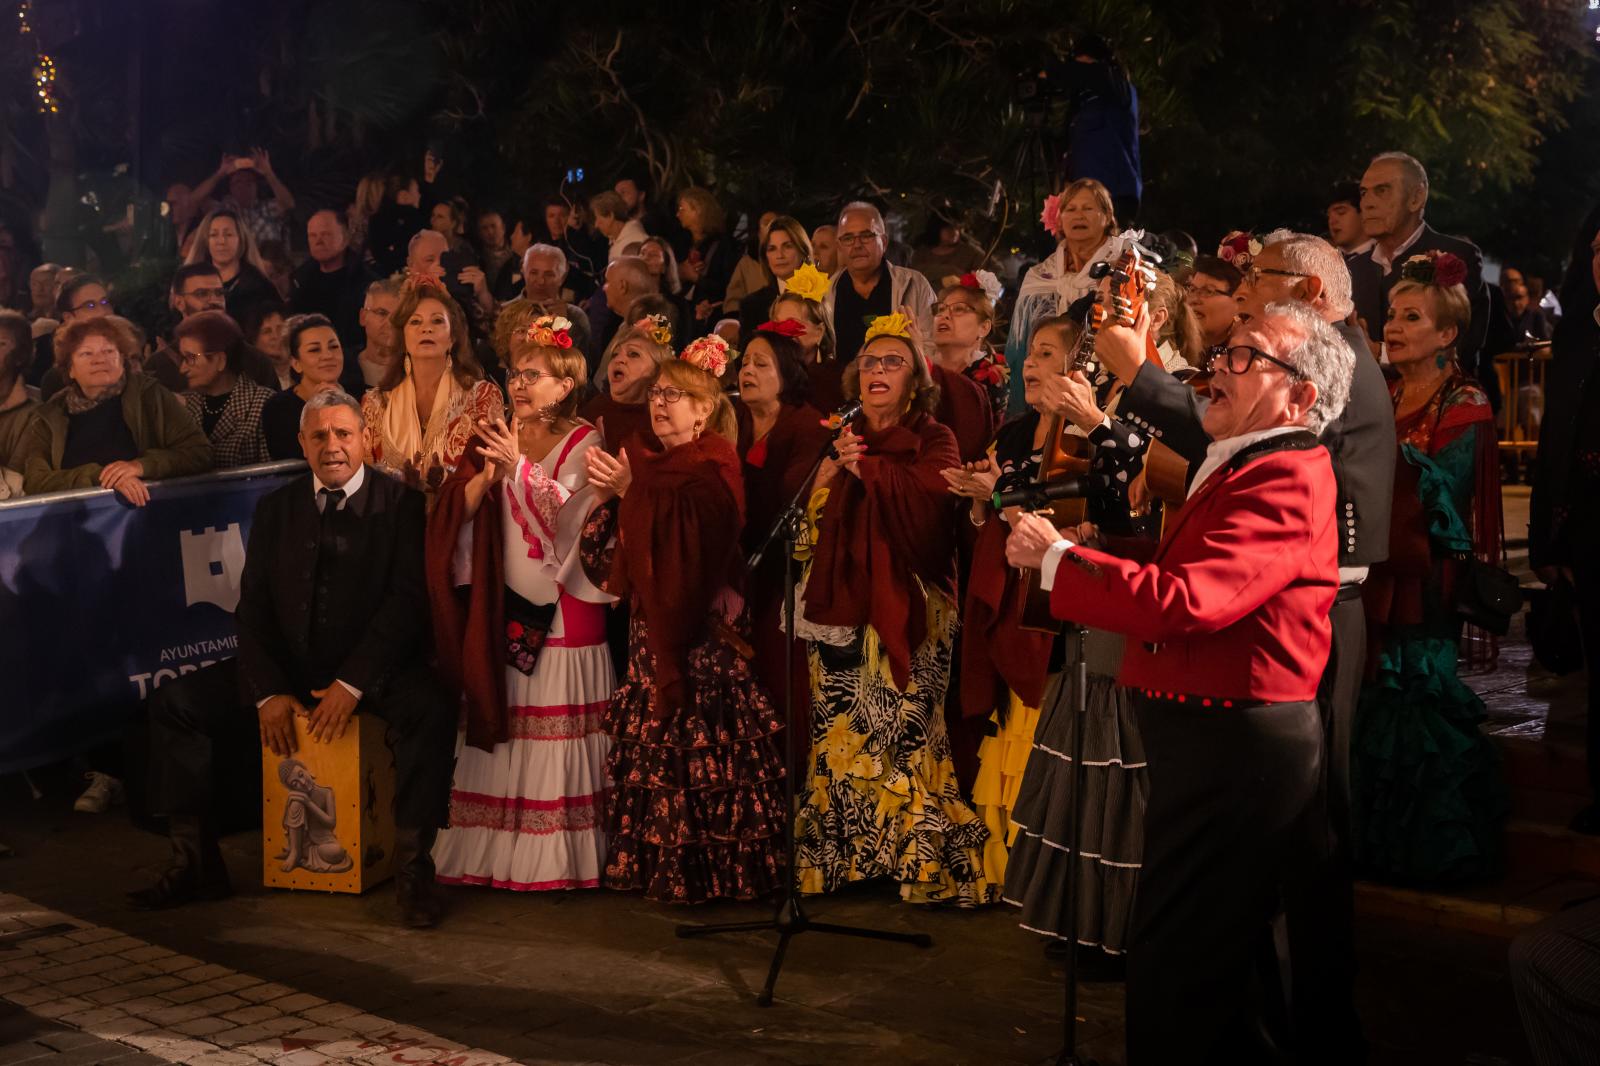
(1251, 109)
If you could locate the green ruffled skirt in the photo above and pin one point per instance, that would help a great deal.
(1428, 798)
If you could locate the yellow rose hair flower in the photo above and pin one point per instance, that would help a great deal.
(895, 325)
(808, 282)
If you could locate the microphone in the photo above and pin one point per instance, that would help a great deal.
(842, 417)
(1038, 497)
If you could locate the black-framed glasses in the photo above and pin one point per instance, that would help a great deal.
(1254, 274)
(529, 377)
(193, 358)
(90, 305)
(666, 394)
(890, 363)
(850, 240)
(1240, 357)
(1200, 292)
(206, 294)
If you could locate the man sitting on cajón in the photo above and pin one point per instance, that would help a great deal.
(332, 616)
(1228, 629)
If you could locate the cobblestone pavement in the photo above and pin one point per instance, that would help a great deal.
(575, 978)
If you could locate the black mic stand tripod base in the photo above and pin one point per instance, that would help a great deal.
(790, 918)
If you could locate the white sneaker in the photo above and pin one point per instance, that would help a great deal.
(103, 792)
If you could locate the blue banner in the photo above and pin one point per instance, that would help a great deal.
(101, 602)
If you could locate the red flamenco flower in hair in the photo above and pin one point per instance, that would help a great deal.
(792, 328)
(1449, 269)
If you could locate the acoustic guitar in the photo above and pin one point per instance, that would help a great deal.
(1068, 454)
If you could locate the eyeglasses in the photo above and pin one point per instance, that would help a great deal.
(1239, 358)
(529, 377)
(1253, 275)
(954, 309)
(667, 395)
(377, 312)
(890, 363)
(851, 239)
(90, 305)
(1201, 292)
(206, 294)
(193, 359)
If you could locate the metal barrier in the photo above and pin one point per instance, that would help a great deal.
(1522, 376)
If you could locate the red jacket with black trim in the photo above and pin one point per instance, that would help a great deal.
(1234, 601)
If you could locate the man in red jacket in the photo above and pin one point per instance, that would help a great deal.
(1227, 619)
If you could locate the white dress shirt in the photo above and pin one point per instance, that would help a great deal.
(1388, 262)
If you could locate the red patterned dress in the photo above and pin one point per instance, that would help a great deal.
(697, 746)
(527, 804)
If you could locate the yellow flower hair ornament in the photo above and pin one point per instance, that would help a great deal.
(895, 325)
(807, 282)
(657, 326)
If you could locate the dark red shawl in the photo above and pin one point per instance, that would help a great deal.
(470, 634)
(793, 445)
(619, 423)
(677, 548)
(992, 640)
(880, 530)
(964, 406)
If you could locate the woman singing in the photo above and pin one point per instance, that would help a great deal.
(880, 616)
(696, 745)
(521, 631)
(1024, 768)
(780, 440)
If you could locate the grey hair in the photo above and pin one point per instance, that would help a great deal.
(1416, 174)
(868, 209)
(328, 398)
(1315, 257)
(1323, 358)
(550, 250)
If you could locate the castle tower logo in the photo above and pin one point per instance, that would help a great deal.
(213, 565)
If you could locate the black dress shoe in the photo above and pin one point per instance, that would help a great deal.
(177, 886)
(417, 892)
(197, 871)
(1587, 821)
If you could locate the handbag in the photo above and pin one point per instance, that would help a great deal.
(1487, 596)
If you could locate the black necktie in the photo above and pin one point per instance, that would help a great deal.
(331, 499)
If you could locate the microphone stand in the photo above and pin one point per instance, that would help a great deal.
(790, 919)
(1077, 670)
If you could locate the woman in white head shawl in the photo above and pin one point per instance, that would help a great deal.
(1085, 226)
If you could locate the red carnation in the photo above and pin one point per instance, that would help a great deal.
(563, 339)
(790, 327)
(1449, 270)
(969, 280)
(514, 630)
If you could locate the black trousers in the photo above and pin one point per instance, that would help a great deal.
(1319, 905)
(200, 734)
(1586, 576)
(1230, 791)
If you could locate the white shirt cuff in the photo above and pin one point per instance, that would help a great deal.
(347, 687)
(1052, 559)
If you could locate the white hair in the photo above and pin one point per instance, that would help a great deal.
(553, 252)
(328, 398)
(1323, 358)
(1316, 258)
(866, 209)
(1415, 173)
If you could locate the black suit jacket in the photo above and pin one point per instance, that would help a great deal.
(1360, 442)
(380, 612)
(1370, 287)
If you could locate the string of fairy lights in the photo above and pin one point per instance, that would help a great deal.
(44, 68)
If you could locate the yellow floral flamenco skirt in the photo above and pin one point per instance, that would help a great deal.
(1002, 758)
(881, 798)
